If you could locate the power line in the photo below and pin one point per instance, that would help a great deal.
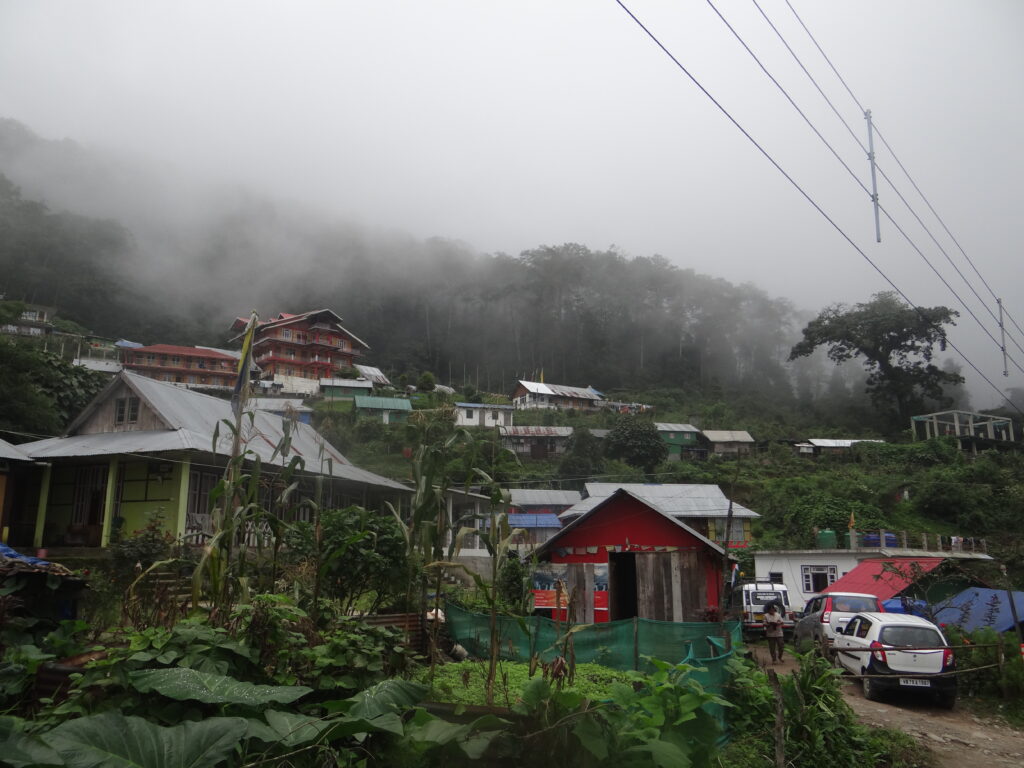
(862, 185)
(905, 171)
(800, 189)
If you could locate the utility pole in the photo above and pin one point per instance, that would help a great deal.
(874, 180)
(1002, 336)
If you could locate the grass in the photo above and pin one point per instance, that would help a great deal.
(463, 683)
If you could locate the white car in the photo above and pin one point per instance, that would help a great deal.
(825, 615)
(871, 645)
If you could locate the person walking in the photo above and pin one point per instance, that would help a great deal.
(773, 631)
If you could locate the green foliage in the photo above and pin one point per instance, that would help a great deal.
(184, 684)
(426, 382)
(584, 457)
(513, 587)
(636, 441)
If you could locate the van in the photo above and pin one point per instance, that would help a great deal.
(749, 601)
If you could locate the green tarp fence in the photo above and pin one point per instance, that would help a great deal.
(708, 646)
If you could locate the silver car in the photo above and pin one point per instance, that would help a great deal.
(827, 613)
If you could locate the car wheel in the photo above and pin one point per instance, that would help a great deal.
(946, 699)
(871, 689)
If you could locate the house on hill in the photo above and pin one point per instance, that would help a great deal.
(536, 442)
(727, 442)
(144, 446)
(390, 410)
(191, 366)
(827, 446)
(483, 415)
(625, 557)
(296, 351)
(703, 507)
(537, 394)
(345, 388)
(682, 440)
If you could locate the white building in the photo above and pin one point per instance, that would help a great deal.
(483, 415)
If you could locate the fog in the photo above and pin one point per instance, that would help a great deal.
(507, 125)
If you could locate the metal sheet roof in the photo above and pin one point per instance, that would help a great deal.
(537, 497)
(347, 383)
(667, 427)
(98, 364)
(486, 406)
(727, 436)
(703, 500)
(825, 442)
(560, 390)
(193, 418)
(535, 431)
(382, 403)
(12, 452)
(376, 375)
(883, 578)
(530, 520)
(279, 404)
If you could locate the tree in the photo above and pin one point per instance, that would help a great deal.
(897, 343)
(583, 458)
(426, 382)
(636, 441)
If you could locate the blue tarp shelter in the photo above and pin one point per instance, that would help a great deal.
(977, 607)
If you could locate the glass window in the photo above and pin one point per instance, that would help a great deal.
(863, 628)
(851, 604)
(126, 410)
(469, 413)
(913, 637)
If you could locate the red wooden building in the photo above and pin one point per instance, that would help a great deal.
(183, 365)
(625, 558)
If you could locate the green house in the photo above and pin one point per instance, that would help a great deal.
(680, 438)
(390, 410)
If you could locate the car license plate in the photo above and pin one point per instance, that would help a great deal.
(914, 681)
(758, 617)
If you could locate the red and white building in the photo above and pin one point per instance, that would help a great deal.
(190, 366)
(294, 352)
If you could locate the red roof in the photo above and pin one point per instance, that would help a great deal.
(170, 349)
(884, 578)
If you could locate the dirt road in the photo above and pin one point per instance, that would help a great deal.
(957, 738)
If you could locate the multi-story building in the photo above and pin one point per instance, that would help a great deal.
(296, 351)
(194, 366)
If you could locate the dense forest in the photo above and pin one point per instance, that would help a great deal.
(623, 324)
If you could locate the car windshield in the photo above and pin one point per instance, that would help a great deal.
(850, 604)
(911, 637)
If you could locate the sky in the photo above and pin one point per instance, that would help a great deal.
(509, 124)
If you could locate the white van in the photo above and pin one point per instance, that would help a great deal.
(749, 602)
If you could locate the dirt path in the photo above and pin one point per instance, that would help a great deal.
(957, 738)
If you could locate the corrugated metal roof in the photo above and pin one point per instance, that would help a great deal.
(535, 431)
(382, 403)
(678, 500)
(666, 427)
(376, 375)
(560, 390)
(486, 406)
(883, 578)
(11, 452)
(826, 442)
(727, 436)
(536, 497)
(347, 383)
(193, 418)
(529, 520)
(279, 404)
(171, 349)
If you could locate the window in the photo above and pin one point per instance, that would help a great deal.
(286, 333)
(175, 360)
(494, 415)
(775, 577)
(126, 410)
(862, 628)
(816, 577)
(735, 534)
(469, 413)
(912, 637)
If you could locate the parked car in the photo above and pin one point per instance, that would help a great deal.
(748, 603)
(825, 614)
(870, 645)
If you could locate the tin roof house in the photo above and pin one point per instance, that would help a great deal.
(144, 446)
(537, 394)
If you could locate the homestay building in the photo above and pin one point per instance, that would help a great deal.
(535, 442)
(144, 447)
(537, 394)
(683, 440)
(727, 442)
(483, 415)
(295, 352)
(703, 507)
(193, 366)
(625, 557)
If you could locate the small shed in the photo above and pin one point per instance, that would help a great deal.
(536, 442)
(345, 387)
(483, 415)
(650, 564)
(390, 410)
(682, 439)
(827, 446)
(727, 442)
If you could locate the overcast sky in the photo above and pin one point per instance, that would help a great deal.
(514, 123)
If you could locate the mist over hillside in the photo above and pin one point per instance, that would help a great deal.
(128, 251)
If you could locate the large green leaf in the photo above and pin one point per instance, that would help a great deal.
(192, 685)
(111, 740)
(385, 697)
(18, 749)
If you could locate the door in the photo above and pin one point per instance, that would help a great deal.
(621, 586)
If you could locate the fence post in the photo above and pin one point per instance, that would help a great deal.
(779, 731)
(1000, 660)
(636, 643)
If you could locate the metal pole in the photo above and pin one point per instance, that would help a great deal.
(874, 180)
(1002, 336)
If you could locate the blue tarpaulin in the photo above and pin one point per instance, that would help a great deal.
(976, 607)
